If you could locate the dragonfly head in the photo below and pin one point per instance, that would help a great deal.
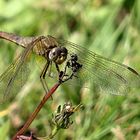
(58, 55)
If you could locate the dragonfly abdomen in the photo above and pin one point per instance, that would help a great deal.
(22, 41)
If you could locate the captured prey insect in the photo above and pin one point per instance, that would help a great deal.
(108, 75)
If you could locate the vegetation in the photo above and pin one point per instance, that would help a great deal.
(108, 27)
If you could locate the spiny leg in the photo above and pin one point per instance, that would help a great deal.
(61, 72)
(42, 77)
(49, 69)
(57, 68)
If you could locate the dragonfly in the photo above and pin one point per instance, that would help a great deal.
(109, 76)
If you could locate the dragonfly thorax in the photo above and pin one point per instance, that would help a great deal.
(58, 55)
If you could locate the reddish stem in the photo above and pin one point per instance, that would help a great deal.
(34, 114)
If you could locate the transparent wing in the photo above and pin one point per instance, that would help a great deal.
(15, 76)
(109, 76)
(12, 80)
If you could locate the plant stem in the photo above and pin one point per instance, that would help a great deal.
(34, 114)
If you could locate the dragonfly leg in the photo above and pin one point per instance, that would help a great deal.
(42, 77)
(57, 68)
(50, 69)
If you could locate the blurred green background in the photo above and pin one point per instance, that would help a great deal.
(108, 27)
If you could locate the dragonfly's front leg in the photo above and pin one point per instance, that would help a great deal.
(61, 72)
(57, 68)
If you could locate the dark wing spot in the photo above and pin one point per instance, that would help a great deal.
(132, 70)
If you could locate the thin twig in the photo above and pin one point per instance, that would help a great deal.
(34, 114)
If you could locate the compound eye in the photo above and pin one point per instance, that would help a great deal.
(62, 57)
(58, 55)
(53, 54)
